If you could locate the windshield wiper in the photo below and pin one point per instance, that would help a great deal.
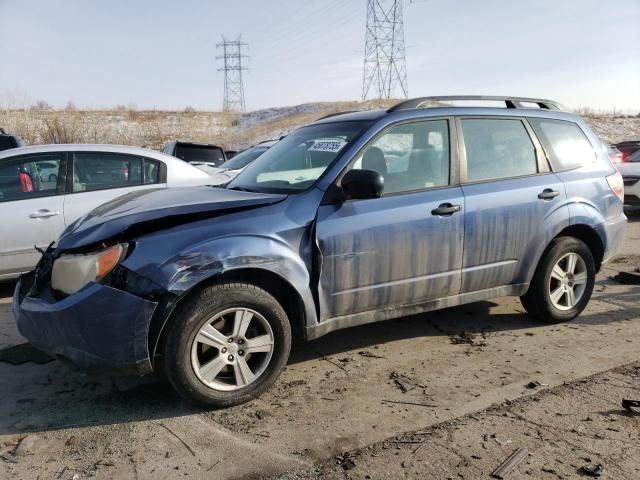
(244, 189)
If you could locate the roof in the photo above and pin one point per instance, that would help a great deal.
(89, 147)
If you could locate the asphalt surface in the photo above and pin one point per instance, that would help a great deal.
(344, 391)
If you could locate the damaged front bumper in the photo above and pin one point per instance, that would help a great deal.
(99, 329)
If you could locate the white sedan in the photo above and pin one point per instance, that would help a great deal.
(45, 188)
(630, 171)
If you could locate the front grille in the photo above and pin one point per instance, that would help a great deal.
(628, 181)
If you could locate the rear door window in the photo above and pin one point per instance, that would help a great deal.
(497, 148)
(565, 142)
(99, 171)
(29, 176)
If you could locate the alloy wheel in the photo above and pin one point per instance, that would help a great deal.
(568, 281)
(232, 349)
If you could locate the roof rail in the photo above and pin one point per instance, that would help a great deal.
(510, 102)
(334, 114)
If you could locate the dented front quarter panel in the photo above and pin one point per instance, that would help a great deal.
(276, 238)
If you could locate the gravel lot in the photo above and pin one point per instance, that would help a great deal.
(352, 390)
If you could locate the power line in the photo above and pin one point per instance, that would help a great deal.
(384, 54)
(232, 67)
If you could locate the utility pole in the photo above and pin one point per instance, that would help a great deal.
(232, 67)
(385, 71)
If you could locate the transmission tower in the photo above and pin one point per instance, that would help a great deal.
(232, 68)
(385, 70)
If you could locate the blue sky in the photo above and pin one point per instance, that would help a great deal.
(161, 53)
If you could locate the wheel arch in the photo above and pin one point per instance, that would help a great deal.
(273, 283)
(590, 237)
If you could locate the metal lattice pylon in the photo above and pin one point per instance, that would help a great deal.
(232, 68)
(385, 69)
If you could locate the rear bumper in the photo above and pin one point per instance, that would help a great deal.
(99, 329)
(612, 232)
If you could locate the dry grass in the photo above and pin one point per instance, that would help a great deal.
(128, 126)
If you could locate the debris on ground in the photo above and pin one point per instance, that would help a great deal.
(25, 445)
(467, 338)
(511, 462)
(535, 384)
(404, 383)
(632, 406)
(592, 470)
(364, 353)
(346, 461)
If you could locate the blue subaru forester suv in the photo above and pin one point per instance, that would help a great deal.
(356, 218)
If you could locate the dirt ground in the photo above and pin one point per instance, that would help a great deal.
(358, 391)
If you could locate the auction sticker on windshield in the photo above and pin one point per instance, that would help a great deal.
(327, 146)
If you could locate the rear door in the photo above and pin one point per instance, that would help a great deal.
(514, 203)
(97, 177)
(403, 248)
(31, 206)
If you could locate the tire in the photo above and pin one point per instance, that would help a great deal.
(540, 300)
(189, 363)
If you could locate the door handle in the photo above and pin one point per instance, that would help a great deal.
(446, 209)
(548, 194)
(44, 214)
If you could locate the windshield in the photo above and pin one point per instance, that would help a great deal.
(243, 159)
(298, 160)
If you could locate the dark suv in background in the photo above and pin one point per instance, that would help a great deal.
(196, 153)
(8, 141)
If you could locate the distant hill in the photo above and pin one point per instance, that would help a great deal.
(233, 131)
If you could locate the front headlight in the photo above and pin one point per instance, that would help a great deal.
(72, 272)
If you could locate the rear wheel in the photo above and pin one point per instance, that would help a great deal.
(227, 344)
(563, 282)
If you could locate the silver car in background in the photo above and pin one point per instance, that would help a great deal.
(231, 168)
(45, 188)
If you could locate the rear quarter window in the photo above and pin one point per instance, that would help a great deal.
(565, 142)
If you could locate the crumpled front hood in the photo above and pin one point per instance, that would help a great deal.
(156, 209)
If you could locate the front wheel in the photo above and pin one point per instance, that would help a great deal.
(226, 345)
(563, 282)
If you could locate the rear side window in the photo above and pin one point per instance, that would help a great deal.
(99, 171)
(497, 148)
(29, 177)
(566, 143)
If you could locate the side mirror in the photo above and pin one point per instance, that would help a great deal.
(362, 184)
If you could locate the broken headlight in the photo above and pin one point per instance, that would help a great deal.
(73, 271)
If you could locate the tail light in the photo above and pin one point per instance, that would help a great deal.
(617, 185)
(25, 182)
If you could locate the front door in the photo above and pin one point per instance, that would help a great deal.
(31, 209)
(403, 248)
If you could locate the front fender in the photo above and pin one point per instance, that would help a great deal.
(198, 263)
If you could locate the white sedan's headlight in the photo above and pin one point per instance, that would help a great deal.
(72, 272)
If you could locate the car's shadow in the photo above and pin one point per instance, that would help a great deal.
(51, 397)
